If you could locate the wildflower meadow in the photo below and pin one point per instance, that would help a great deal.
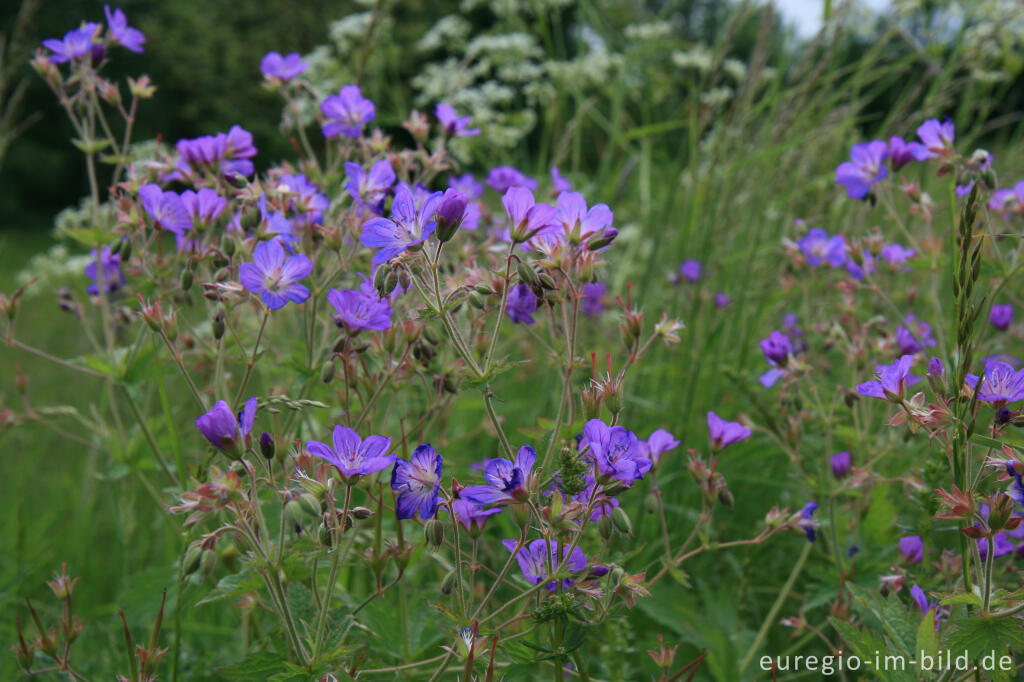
(532, 339)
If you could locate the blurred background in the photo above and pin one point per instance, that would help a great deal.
(709, 127)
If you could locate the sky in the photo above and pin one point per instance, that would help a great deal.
(805, 15)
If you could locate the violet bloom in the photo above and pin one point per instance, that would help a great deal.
(226, 153)
(472, 516)
(578, 222)
(1016, 489)
(593, 293)
(559, 183)
(722, 299)
(507, 482)
(902, 152)
(921, 599)
(467, 184)
(807, 522)
(110, 266)
(818, 248)
(165, 209)
(369, 189)
(502, 178)
(724, 433)
(1008, 201)
(1001, 316)
(937, 137)
(1001, 384)
(521, 304)
(897, 254)
(777, 350)
(121, 33)
(690, 270)
(307, 201)
(361, 308)
(911, 549)
(535, 558)
(892, 380)
(913, 336)
(226, 431)
(865, 167)
(406, 227)
(274, 66)
(75, 44)
(841, 463)
(453, 125)
(347, 112)
(353, 456)
(274, 277)
(615, 452)
(417, 482)
(204, 206)
(657, 444)
(1001, 544)
(528, 218)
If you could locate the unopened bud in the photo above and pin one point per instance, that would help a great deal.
(187, 278)
(620, 519)
(651, 503)
(605, 527)
(267, 445)
(310, 504)
(294, 513)
(327, 372)
(547, 281)
(449, 583)
(476, 300)
(526, 273)
(191, 561)
(207, 563)
(433, 533)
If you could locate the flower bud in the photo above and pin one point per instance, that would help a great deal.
(651, 503)
(476, 300)
(327, 372)
(449, 214)
(267, 446)
(526, 273)
(1000, 508)
(191, 561)
(433, 533)
(620, 519)
(251, 218)
(605, 527)
(310, 504)
(187, 278)
(294, 513)
(547, 281)
(207, 563)
(449, 583)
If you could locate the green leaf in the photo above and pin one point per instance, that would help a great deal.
(262, 665)
(981, 636)
(891, 615)
(867, 644)
(231, 585)
(927, 637)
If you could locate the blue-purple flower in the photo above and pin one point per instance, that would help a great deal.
(407, 226)
(227, 153)
(274, 276)
(865, 167)
(521, 304)
(690, 270)
(452, 124)
(592, 302)
(902, 152)
(657, 444)
(347, 112)
(892, 380)
(202, 207)
(165, 209)
(75, 44)
(507, 482)
(937, 137)
(502, 178)
(896, 254)
(777, 350)
(559, 183)
(226, 431)
(1000, 384)
(472, 516)
(361, 308)
(921, 599)
(911, 548)
(353, 456)
(580, 224)
(724, 433)
(1001, 544)
(807, 522)
(467, 184)
(841, 463)
(1008, 200)
(121, 33)
(417, 482)
(1001, 316)
(722, 299)
(275, 67)
(535, 557)
(369, 189)
(913, 336)
(528, 218)
(110, 266)
(615, 452)
(819, 248)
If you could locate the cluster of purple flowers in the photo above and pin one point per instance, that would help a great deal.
(867, 159)
(820, 248)
(88, 40)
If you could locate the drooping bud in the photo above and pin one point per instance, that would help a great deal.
(450, 214)
(267, 446)
(433, 533)
(191, 561)
(327, 372)
(526, 273)
(309, 504)
(620, 519)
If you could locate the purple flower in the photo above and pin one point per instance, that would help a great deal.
(818, 248)
(937, 137)
(165, 209)
(559, 183)
(274, 66)
(204, 206)
(307, 201)
(657, 444)
(226, 431)
(361, 308)
(121, 33)
(454, 126)
(352, 456)
(865, 167)
(369, 189)
(452, 212)
(902, 152)
(467, 184)
(724, 433)
(507, 482)
(1001, 316)
(841, 463)
(113, 278)
(1001, 384)
(472, 516)
(777, 350)
(591, 303)
(528, 218)
(914, 337)
(275, 278)
(75, 44)
(722, 299)
(225, 153)
(521, 304)
(535, 558)
(895, 254)
(963, 190)
(578, 223)
(911, 549)
(347, 112)
(1016, 489)
(690, 270)
(921, 599)
(1007, 201)
(892, 380)
(615, 453)
(807, 522)
(406, 227)
(1001, 543)
(502, 178)
(417, 482)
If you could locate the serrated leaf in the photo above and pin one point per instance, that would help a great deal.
(262, 665)
(867, 644)
(963, 598)
(927, 636)
(232, 585)
(980, 636)
(891, 614)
